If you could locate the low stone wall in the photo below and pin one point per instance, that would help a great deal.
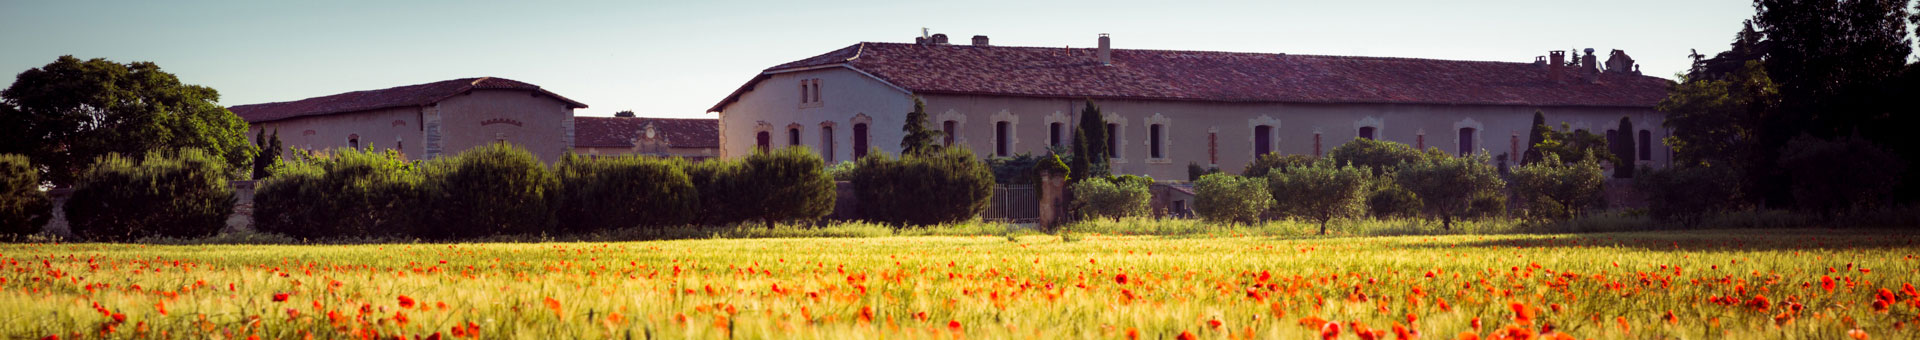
(242, 217)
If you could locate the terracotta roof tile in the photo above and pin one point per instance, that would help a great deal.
(1226, 76)
(410, 95)
(621, 131)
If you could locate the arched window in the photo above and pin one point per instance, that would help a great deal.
(353, 141)
(826, 143)
(1366, 132)
(1000, 135)
(763, 141)
(1054, 132)
(949, 128)
(1646, 145)
(793, 136)
(1466, 141)
(859, 140)
(1262, 140)
(1153, 141)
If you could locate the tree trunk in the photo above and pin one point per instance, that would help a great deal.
(1323, 227)
(1446, 222)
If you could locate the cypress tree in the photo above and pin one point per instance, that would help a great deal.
(918, 138)
(1534, 137)
(1624, 150)
(1090, 152)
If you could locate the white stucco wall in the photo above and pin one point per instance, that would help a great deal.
(844, 94)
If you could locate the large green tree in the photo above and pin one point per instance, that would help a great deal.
(1838, 65)
(917, 139)
(1090, 154)
(69, 112)
(1445, 185)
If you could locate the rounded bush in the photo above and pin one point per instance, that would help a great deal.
(610, 193)
(1225, 198)
(498, 189)
(1389, 200)
(185, 194)
(349, 193)
(786, 185)
(944, 186)
(1113, 197)
(23, 207)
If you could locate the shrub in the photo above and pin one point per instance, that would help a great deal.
(715, 191)
(1194, 171)
(1275, 161)
(1224, 198)
(184, 194)
(842, 171)
(23, 207)
(944, 186)
(1487, 205)
(1112, 197)
(1320, 192)
(1019, 169)
(1446, 185)
(1841, 175)
(606, 193)
(1387, 199)
(1686, 194)
(349, 194)
(1377, 156)
(784, 185)
(498, 189)
(1555, 190)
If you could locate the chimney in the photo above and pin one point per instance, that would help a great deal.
(939, 38)
(1106, 50)
(919, 40)
(1590, 66)
(1556, 60)
(980, 40)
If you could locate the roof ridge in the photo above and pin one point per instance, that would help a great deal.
(1219, 52)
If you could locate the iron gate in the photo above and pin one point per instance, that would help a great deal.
(1013, 203)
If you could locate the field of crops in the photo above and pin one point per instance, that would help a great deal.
(1820, 284)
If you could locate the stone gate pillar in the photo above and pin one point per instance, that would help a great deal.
(1053, 199)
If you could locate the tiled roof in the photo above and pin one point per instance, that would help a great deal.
(1225, 76)
(621, 131)
(410, 95)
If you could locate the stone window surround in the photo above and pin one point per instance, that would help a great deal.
(858, 119)
(959, 125)
(1273, 141)
(829, 142)
(1066, 127)
(1013, 134)
(1379, 127)
(1478, 130)
(1119, 137)
(810, 93)
(1213, 146)
(796, 135)
(1166, 141)
(760, 127)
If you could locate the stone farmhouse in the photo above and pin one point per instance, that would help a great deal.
(442, 118)
(1165, 109)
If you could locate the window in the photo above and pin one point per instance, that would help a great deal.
(859, 140)
(1420, 141)
(1316, 144)
(816, 90)
(1466, 141)
(763, 141)
(400, 146)
(948, 128)
(1113, 140)
(1054, 133)
(1213, 148)
(1000, 138)
(353, 141)
(803, 92)
(793, 136)
(1646, 145)
(826, 143)
(1153, 141)
(1262, 140)
(1366, 132)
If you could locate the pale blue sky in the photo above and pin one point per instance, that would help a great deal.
(677, 58)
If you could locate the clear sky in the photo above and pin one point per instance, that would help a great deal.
(677, 58)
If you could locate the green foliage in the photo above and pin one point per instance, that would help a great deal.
(1573, 146)
(1687, 194)
(1487, 205)
(1446, 184)
(1272, 161)
(1052, 164)
(1842, 175)
(496, 189)
(1227, 199)
(916, 138)
(1112, 197)
(1019, 169)
(69, 112)
(1090, 144)
(1194, 171)
(1624, 151)
(1388, 200)
(1556, 190)
(23, 207)
(782, 186)
(1377, 156)
(183, 194)
(348, 194)
(1320, 192)
(608, 193)
(268, 155)
(948, 186)
(843, 171)
(1536, 134)
(718, 193)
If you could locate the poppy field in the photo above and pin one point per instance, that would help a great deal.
(1821, 284)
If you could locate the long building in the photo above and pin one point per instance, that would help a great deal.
(424, 121)
(1166, 109)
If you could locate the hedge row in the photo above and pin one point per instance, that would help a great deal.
(23, 207)
(179, 194)
(503, 190)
